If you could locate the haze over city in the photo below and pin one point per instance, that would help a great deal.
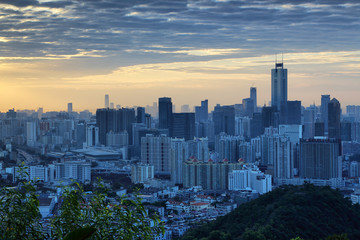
(55, 52)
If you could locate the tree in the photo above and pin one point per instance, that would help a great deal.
(79, 214)
(128, 220)
(19, 212)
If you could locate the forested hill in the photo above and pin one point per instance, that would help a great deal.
(306, 211)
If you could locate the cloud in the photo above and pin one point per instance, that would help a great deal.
(61, 27)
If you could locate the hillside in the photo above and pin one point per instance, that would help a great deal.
(304, 211)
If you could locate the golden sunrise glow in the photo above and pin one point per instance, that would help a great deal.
(224, 81)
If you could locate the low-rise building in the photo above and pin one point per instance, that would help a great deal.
(178, 206)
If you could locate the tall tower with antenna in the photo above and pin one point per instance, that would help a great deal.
(279, 88)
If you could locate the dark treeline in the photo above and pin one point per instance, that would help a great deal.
(288, 212)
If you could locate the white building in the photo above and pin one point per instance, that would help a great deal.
(36, 173)
(77, 170)
(293, 131)
(250, 179)
(141, 173)
(40, 173)
(92, 136)
(332, 182)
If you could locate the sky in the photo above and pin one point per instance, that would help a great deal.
(55, 52)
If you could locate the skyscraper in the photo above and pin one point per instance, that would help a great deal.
(106, 121)
(278, 85)
(165, 113)
(325, 99)
(114, 120)
(248, 106)
(224, 119)
(106, 100)
(270, 117)
(70, 108)
(290, 112)
(253, 97)
(201, 112)
(140, 115)
(334, 112)
(204, 110)
(183, 125)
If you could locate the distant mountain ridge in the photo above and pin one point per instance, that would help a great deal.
(306, 211)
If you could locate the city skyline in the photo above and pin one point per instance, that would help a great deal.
(58, 52)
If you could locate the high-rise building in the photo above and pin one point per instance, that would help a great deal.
(334, 112)
(228, 147)
(248, 178)
(125, 119)
(199, 148)
(77, 170)
(201, 112)
(253, 96)
(31, 134)
(248, 106)
(256, 125)
(242, 126)
(279, 89)
(92, 136)
(11, 113)
(106, 121)
(224, 119)
(319, 158)
(185, 108)
(309, 123)
(270, 117)
(290, 112)
(140, 115)
(178, 154)
(120, 139)
(268, 145)
(165, 113)
(346, 130)
(319, 128)
(141, 173)
(155, 151)
(209, 175)
(325, 99)
(204, 110)
(114, 120)
(283, 159)
(112, 106)
(183, 125)
(80, 133)
(70, 108)
(107, 101)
